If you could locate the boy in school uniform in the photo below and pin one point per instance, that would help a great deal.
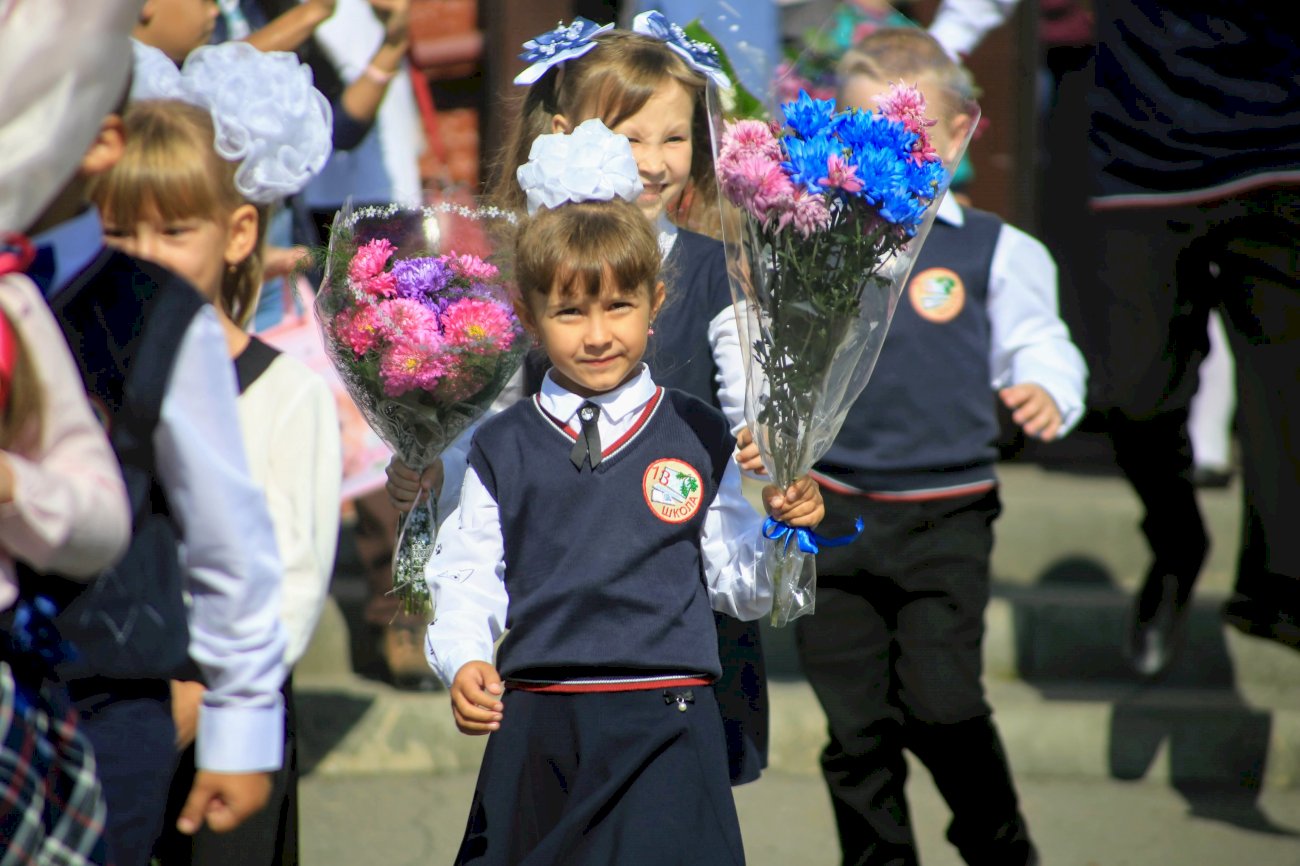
(154, 362)
(894, 650)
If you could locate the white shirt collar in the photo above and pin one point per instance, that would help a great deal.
(667, 233)
(950, 211)
(76, 242)
(615, 405)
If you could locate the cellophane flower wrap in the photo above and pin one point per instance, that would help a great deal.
(831, 208)
(420, 327)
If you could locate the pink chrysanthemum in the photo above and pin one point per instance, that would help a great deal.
(358, 329)
(472, 268)
(841, 174)
(403, 318)
(412, 364)
(478, 324)
(749, 138)
(810, 213)
(906, 105)
(756, 183)
(369, 260)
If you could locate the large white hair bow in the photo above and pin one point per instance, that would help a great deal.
(590, 164)
(267, 115)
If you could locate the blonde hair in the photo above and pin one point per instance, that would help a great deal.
(612, 82)
(904, 55)
(577, 246)
(170, 168)
(20, 418)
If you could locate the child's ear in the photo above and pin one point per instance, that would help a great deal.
(107, 148)
(657, 299)
(959, 129)
(241, 235)
(560, 123)
(525, 315)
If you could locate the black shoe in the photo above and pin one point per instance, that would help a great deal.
(1157, 625)
(1259, 619)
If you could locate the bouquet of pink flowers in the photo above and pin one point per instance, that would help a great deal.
(833, 208)
(424, 342)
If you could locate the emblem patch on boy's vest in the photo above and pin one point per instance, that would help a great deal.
(937, 294)
(673, 490)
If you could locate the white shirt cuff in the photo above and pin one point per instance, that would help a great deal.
(240, 739)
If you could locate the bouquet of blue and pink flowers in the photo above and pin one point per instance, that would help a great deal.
(833, 208)
(423, 340)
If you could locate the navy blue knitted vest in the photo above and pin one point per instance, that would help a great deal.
(603, 566)
(125, 320)
(927, 417)
(678, 353)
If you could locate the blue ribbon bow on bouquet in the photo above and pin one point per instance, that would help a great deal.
(808, 541)
(37, 646)
(553, 47)
(701, 56)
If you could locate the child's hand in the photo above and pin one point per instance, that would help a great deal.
(186, 698)
(404, 483)
(223, 800)
(747, 455)
(800, 504)
(1033, 409)
(476, 698)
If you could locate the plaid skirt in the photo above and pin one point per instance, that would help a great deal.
(51, 808)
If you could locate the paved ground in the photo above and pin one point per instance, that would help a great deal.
(408, 819)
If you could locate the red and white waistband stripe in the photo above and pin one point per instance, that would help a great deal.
(613, 684)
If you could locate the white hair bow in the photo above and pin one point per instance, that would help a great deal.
(590, 164)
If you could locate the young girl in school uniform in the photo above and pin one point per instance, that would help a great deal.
(606, 744)
(649, 85)
(172, 199)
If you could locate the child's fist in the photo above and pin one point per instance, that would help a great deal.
(1033, 409)
(476, 698)
(800, 504)
(404, 484)
(747, 456)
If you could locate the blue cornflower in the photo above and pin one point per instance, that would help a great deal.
(807, 116)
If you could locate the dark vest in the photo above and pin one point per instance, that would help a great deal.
(598, 580)
(124, 320)
(927, 418)
(678, 353)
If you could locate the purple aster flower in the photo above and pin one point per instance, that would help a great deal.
(421, 279)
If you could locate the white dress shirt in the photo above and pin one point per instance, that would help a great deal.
(1028, 342)
(960, 25)
(228, 549)
(466, 573)
(728, 358)
(69, 513)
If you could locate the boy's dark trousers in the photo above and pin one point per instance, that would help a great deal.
(893, 653)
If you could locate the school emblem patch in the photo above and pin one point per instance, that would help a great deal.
(673, 490)
(937, 294)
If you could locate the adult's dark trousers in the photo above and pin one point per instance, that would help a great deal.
(893, 654)
(129, 725)
(1161, 271)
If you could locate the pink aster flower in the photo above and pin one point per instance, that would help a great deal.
(412, 364)
(472, 268)
(405, 319)
(366, 270)
(478, 324)
(358, 329)
(756, 183)
(810, 213)
(841, 174)
(906, 105)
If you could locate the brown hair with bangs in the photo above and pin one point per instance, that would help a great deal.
(612, 82)
(171, 170)
(578, 245)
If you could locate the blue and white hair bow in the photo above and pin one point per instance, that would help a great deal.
(556, 46)
(700, 56)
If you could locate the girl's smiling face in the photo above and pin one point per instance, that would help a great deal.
(660, 134)
(595, 341)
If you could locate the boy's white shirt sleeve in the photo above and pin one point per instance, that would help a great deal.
(231, 565)
(466, 577)
(455, 458)
(1029, 342)
(730, 545)
(960, 25)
